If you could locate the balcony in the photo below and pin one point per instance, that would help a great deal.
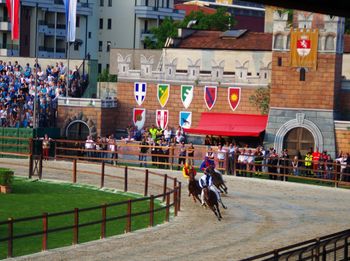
(151, 12)
(146, 33)
(9, 50)
(49, 29)
(49, 52)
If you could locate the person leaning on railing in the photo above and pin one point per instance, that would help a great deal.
(308, 164)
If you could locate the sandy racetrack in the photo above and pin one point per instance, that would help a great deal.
(261, 215)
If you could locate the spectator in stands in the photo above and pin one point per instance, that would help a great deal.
(190, 154)
(182, 155)
(143, 152)
(221, 153)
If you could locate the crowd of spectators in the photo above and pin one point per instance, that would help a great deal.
(17, 92)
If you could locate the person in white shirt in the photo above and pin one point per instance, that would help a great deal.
(112, 147)
(89, 146)
(221, 153)
(167, 134)
(343, 161)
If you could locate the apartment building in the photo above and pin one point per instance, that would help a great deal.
(125, 24)
(43, 22)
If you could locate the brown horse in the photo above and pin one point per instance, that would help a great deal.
(193, 187)
(212, 202)
(218, 181)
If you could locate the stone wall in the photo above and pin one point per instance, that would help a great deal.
(316, 92)
(126, 103)
(342, 140)
(101, 121)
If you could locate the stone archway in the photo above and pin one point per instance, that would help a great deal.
(299, 122)
(77, 130)
(80, 119)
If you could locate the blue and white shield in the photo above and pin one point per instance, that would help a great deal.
(185, 119)
(140, 89)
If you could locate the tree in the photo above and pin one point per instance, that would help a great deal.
(106, 77)
(261, 99)
(221, 20)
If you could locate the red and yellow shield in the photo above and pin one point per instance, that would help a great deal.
(234, 97)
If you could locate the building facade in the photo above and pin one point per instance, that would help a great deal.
(308, 106)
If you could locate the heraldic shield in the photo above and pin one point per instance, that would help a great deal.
(210, 95)
(163, 92)
(140, 90)
(186, 95)
(185, 119)
(234, 97)
(139, 117)
(162, 117)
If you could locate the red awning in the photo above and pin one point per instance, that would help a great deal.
(228, 124)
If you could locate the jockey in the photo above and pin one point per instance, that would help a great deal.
(186, 170)
(207, 181)
(206, 163)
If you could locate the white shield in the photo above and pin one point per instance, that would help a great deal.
(140, 90)
(162, 117)
(139, 117)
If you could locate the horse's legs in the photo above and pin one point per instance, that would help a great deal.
(218, 209)
(224, 187)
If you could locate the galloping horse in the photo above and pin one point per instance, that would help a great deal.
(218, 181)
(193, 187)
(212, 202)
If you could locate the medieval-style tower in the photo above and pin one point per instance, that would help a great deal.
(303, 101)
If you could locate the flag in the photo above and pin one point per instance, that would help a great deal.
(70, 7)
(13, 10)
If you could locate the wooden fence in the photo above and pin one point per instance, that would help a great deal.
(331, 247)
(170, 195)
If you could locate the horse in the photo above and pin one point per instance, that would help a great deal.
(212, 202)
(218, 181)
(193, 187)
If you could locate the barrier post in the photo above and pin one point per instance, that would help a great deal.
(10, 237)
(226, 164)
(30, 174)
(102, 174)
(175, 202)
(335, 172)
(346, 244)
(151, 211)
(317, 254)
(165, 185)
(174, 187)
(126, 179)
(103, 224)
(234, 164)
(167, 208)
(179, 198)
(45, 234)
(171, 159)
(146, 182)
(40, 174)
(128, 218)
(76, 227)
(74, 171)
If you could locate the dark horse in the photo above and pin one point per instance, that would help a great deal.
(193, 187)
(218, 181)
(212, 202)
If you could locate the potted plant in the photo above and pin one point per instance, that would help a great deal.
(6, 179)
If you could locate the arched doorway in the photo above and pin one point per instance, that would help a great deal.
(77, 130)
(298, 139)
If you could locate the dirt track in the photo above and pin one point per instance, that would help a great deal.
(261, 215)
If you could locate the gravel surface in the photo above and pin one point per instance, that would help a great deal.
(261, 215)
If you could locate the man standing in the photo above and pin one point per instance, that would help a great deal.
(221, 154)
(143, 152)
(182, 155)
(190, 154)
(231, 159)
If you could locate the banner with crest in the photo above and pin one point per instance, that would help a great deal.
(303, 48)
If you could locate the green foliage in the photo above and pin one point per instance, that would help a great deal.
(6, 177)
(220, 21)
(261, 99)
(347, 25)
(106, 77)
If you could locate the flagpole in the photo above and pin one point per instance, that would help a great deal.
(35, 117)
(68, 38)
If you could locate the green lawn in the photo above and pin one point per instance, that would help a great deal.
(34, 198)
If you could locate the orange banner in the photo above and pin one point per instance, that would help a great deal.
(303, 48)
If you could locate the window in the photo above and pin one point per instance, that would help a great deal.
(100, 44)
(107, 67)
(108, 46)
(102, 2)
(77, 22)
(99, 68)
(329, 46)
(109, 24)
(109, 2)
(278, 44)
(101, 23)
(76, 47)
(89, 35)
